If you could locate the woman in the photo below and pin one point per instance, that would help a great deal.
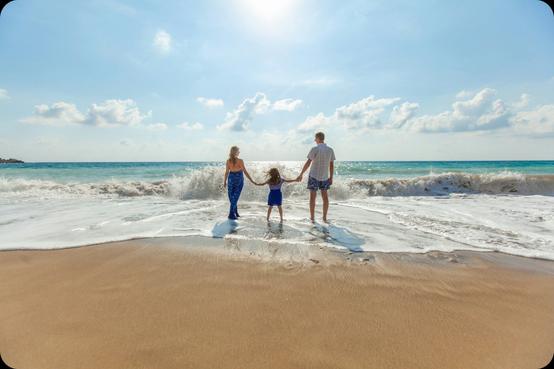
(233, 173)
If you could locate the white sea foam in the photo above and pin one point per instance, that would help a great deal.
(207, 183)
(508, 212)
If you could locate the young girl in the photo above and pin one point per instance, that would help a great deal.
(275, 197)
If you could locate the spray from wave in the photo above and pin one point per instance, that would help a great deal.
(447, 183)
(207, 183)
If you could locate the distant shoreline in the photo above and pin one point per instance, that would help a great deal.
(11, 161)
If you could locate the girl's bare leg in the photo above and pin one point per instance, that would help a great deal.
(269, 212)
(280, 212)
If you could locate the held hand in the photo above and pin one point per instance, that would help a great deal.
(299, 178)
(330, 180)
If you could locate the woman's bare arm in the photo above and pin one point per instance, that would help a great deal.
(226, 173)
(246, 172)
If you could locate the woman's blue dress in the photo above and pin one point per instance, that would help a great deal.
(235, 181)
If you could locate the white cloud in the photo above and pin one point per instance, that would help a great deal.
(476, 105)
(287, 104)
(107, 114)
(240, 118)
(58, 114)
(523, 102)
(4, 94)
(260, 103)
(156, 127)
(363, 114)
(539, 121)
(314, 123)
(401, 114)
(115, 113)
(162, 41)
(210, 103)
(481, 112)
(191, 126)
(464, 94)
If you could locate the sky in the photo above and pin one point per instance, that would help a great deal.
(121, 80)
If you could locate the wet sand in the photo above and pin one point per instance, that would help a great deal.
(161, 304)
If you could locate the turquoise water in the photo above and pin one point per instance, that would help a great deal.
(149, 171)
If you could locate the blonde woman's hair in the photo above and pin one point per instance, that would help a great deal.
(233, 153)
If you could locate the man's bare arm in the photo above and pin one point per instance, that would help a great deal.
(305, 168)
(331, 171)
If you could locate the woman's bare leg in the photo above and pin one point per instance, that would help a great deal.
(280, 212)
(269, 212)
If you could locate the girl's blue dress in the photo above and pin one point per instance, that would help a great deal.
(275, 197)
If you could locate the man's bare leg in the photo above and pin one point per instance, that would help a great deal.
(325, 198)
(312, 205)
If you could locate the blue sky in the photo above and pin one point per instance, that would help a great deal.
(115, 80)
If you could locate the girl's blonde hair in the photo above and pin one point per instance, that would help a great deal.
(233, 153)
(274, 176)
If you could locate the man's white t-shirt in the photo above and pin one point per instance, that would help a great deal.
(321, 155)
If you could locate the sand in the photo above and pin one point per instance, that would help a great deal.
(150, 304)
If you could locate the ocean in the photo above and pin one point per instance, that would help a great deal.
(505, 206)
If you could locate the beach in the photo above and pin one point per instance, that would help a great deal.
(135, 265)
(274, 184)
(187, 303)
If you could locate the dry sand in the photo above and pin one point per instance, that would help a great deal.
(146, 304)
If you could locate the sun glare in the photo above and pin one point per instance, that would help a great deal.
(268, 10)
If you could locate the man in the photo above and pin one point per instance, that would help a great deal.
(321, 158)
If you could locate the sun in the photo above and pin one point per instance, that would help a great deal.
(268, 11)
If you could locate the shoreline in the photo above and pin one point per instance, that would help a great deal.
(199, 242)
(174, 303)
(272, 161)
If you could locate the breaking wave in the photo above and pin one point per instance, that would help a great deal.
(447, 183)
(207, 183)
